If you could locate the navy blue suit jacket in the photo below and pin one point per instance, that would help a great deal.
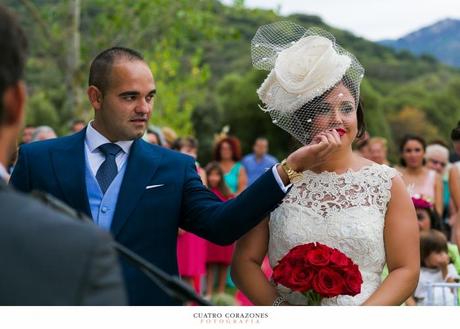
(146, 220)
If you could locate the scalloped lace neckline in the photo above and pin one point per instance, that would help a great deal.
(345, 173)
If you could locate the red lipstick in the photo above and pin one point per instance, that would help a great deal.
(340, 131)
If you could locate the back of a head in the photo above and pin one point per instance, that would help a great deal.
(43, 133)
(169, 135)
(99, 72)
(190, 142)
(13, 45)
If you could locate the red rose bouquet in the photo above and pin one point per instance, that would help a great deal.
(318, 271)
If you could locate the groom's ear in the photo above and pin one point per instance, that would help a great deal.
(95, 97)
(13, 103)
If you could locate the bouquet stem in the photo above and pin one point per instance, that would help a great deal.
(313, 298)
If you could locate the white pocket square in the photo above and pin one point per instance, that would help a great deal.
(148, 187)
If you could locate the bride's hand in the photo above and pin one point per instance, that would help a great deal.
(315, 153)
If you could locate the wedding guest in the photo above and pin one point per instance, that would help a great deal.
(169, 136)
(436, 267)
(418, 178)
(227, 152)
(454, 188)
(77, 125)
(191, 249)
(455, 138)
(42, 133)
(259, 161)
(218, 258)
(427, 220)
(154, 136)
(27, 134)
(378, 150)
(437, 159)
(362, 146)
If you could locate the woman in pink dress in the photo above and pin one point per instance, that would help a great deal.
(218, 257)
(191, 258)
(191, 249)
(418, 178)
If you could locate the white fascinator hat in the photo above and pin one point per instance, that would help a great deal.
(304, 65)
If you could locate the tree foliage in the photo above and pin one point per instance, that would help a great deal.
(199, 52)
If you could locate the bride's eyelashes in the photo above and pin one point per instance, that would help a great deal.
(345, 107)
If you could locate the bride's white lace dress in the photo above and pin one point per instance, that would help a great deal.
(344, 211)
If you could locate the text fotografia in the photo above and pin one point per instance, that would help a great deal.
(230, 317)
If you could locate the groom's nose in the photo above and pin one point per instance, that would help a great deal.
(143, 106)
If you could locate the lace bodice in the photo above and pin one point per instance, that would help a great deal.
(344, 211)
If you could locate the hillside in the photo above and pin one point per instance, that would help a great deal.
(441, 40)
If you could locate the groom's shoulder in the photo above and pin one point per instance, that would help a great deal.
(40, 146)
(168, 154)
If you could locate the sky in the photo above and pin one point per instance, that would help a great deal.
(371, 19)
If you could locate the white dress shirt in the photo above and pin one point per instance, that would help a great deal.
(278, 179)
(93, 140)
(3, 173)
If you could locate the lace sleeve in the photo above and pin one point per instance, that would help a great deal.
(387, 174)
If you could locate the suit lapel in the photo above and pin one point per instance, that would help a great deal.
(69, 168)
(142, 165)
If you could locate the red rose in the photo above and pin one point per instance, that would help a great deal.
(353, 280)
(282, 272)
(297, 254)
(319, 256)
(328, 283)
(318, 271)
(339, 259)
(300, 279)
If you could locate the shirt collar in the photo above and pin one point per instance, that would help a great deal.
(94, 139)
(3, 173)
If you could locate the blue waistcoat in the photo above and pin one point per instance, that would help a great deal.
(103, 205)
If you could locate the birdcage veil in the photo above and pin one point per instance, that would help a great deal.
(305, 66)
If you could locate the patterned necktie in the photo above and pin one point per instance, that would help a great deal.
(108, 169)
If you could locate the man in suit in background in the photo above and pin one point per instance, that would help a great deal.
(143, 193)
(46, 258)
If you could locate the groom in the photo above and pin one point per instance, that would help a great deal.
(143, 193)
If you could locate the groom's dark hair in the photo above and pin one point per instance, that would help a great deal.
(101, 66)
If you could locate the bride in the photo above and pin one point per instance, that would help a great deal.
(344, 201)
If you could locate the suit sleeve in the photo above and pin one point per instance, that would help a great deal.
(20, 177)
(102, 282)
(224, 222)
